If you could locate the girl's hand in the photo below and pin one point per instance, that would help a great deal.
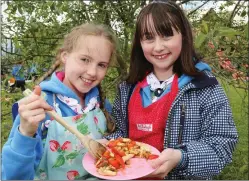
(32, 111)
(103, 141)
(166, 161)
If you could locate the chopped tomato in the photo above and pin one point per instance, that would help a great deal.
(153, 156)
(120, 161)
(120, 139)
(115, 163)
(121, 153)
(118, 152)
(115, 151)
(107, 154)
(131, 144)
(113, 143)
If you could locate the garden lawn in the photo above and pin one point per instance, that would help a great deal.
(238, 169)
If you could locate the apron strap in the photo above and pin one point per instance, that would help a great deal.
(56, 105)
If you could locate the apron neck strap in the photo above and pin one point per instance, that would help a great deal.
(56, 105)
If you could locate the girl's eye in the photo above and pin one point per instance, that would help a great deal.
(167, 37)
(85, 60)
(147, 36)
(103, 66)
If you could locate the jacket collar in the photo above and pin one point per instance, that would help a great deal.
(204, 80)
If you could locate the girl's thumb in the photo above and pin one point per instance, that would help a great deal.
(37, 90)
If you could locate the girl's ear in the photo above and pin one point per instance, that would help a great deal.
(64, 57)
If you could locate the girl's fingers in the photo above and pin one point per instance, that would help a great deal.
(33, 120)
(103, 141)
(29, 127)
(34, 112)
(37, 90)
(161, 171)
(39, 103)
(28, 99)
(165, 155)
(158, 161)
(34, 96)
(37, 118)
(165, 169)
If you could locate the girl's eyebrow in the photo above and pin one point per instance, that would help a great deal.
(87, 56)
(104, 62)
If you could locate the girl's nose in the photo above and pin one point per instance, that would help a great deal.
(159, 45)
(92, 71)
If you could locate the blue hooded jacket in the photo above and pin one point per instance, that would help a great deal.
(21, 154)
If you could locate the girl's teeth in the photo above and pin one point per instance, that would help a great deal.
(85, 80)
(161, 57)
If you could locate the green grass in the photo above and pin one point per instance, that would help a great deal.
(237, 170)
(7, 99)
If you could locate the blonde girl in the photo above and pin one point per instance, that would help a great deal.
(39, 147)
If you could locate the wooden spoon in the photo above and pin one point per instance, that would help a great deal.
(95, 148)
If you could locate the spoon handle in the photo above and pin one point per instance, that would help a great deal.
(60, 120)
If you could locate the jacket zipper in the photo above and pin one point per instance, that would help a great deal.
(128, 100)
(122, 111)
(182, 119)
(168, 125)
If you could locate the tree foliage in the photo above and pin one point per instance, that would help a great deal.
(37, 28)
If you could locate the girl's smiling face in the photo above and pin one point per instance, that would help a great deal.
(86, 65)
(161, 50)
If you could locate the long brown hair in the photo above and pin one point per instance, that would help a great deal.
(70, 43)
(165, 16)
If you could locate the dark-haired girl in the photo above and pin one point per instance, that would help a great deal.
(172, 101)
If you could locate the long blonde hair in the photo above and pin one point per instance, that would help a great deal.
(71, 40)
(70, 43)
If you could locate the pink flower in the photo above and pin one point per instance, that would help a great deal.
(75, 118)
(43, 176)
(72, 174)
(54, 145)
(211, 45)
(95, 120)
(67, 146)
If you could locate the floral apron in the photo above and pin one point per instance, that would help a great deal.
(63, 152)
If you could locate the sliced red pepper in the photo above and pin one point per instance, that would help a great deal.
(120, 160)
(112, 143)
(121, 153)
(115, 163)
(152, 156)
(118, 152)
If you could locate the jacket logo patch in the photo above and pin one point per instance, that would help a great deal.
(145, 127)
